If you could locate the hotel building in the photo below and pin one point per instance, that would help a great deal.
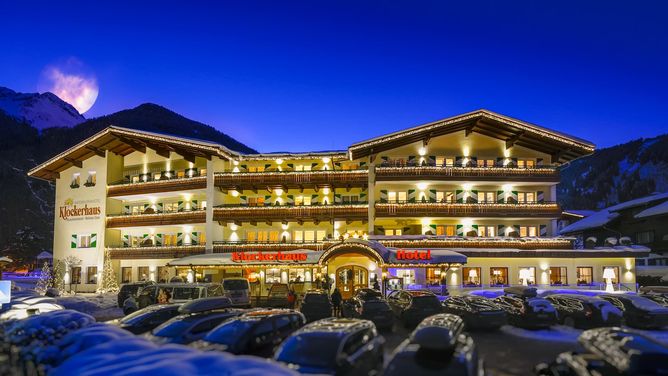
(464, 202)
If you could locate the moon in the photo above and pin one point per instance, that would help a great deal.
(72, 85)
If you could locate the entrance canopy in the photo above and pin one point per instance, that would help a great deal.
(241, 259)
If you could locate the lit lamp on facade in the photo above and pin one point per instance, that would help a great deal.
(608, 276)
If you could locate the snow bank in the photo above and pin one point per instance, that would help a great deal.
(101, 306)
(489, 294)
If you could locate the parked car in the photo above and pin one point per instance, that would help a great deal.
(438, 346)
(525, 310)
(658, 298)
(662, 290)
(370, 305)
(334, 346)
(316, 305)
(278, 296)
(253, 333)
(147, 319)
(196, 319)
(238, 290)
(130, 289)
(413, 306)
(477, 312)
(181, 293)
(639, 312)
(585, 312)
(611, 352)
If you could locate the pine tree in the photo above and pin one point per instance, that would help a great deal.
(59, 275)
(108, 283)
(45, 279)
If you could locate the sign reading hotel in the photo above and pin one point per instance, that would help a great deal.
(80, 210)
(268, 257)
(413, 255)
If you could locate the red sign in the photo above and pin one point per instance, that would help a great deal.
(413, 255)
(268, 257)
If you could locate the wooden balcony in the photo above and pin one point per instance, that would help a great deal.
(451, 173)
(476, 242)
(157, 186)
(256, 246)
(310, 213)
(157, 219)
(161, 252)
(291, 179)
(437, 209)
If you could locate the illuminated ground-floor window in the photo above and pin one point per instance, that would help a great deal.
(585, 275)
(471, 276)
(558, 276)
(498, 276)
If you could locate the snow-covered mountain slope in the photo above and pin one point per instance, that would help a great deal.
(39, 110)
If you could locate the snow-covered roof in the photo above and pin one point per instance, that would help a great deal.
(660, 209)
(607, 215)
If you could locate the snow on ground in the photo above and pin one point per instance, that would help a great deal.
(558, 333)
(101, 306)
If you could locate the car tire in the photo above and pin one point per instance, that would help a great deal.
(569, 321)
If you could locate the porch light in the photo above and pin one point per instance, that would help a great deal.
(234, 193)
(422, 186)
(279, 161)
(422, 151)
(608, 276)
(326, 160)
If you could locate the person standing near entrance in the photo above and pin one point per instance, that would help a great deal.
(336, 302)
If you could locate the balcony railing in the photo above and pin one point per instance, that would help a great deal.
(157, 219)
(126, 187)
(440, 209)
(291, 179)
(475, 242)
(495, 173)
(269, 246)
(315, 213)
(154, 252)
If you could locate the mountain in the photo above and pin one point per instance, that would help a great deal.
(615, 174)
(27, 212)
(39, 110)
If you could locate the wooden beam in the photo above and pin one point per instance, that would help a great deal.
(52, 174)
(268, 222)
(161, 151)
(187, 156)
(74, 162)
(300, 222)
(253, 223)
(557, 155)
(238, 223)
(138, 146)
(512, 140)
(98, 152)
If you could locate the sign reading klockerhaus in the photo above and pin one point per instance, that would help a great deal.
(460, 203)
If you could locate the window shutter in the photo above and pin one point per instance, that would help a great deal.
(499, 161)
(291, 199)
(459, 196)
(500, 230)
(540, 196)
(73, 241)
(194, 238)
(411, 160)
(313, 166)
(93, 240)
(180, 206)
(158, 240)
(411, 195)
(267, 166)
(314, 199)
(126, 240)
(474, 161)
(500, 197)
(243, 200)
(291, 166)
(362, 164)
(193, 204)
(159, 207)
(179, 238)
(474, 195)
(337, 198)
(126, 209)
(460, 230)
(243, 167)
(459, 160)
(543, 230)
(432, 160)
(539, 162)
(432, 195)
(383, 195)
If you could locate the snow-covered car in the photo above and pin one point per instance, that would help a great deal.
(369, 304)
(525, 310)
(334, 346)
(658, 298)
(180, 293)
(315, 305)
(477, 312)
(147, 319)
(639, 312)
(412, 306)
(585, 312)
(611, 352)
(196, 318)
(130, 289)
(438, 346)
(253, 333)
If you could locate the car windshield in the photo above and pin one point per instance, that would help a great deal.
(173, 328)
(235, 284)
(230, 332)
(185, 293)
(312, 350)
(428, 301)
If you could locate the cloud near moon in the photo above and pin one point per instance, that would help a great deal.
(76, 88)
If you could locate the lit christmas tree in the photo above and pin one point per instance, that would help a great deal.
(45, 279)
(108, 283)
(58, 275)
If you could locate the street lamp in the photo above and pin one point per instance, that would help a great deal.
(608, 276)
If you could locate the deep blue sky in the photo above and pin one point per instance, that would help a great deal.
(326, 74)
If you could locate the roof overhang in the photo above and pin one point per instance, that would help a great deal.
(560, 146)
(123, 141)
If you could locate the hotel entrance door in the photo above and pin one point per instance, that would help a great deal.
(350, 278)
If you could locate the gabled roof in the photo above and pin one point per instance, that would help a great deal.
(332, 154)
(661, 209)
(607, 215)
(561, 146)
(124, 141)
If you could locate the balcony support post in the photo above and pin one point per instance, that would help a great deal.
(371, 194)
(210, 203)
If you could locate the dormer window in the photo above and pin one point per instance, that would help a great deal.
(76, 180)
(91, 180)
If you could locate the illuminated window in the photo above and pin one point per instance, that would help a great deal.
(445, 230)
(585, 275)
(487, 197)
(303, 200)
(471, 276)
(84, 241)
(142, 273)
(272, 275)
(487, 231)
(256, 201)
(528, 273)
(530, 231)
(169, 239)
(558, 276)
(170, 207)
(303, 167)
(76, 180)
(126, 274)
(434, 276)
(392, 232)
(92, 179)
(498, 276)
(76, 275)
(91, 275)
(526, 197)
(255, 168)
(526, 163)
(393, 196)
(407, 275)
(297, 275)
(350, 199)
